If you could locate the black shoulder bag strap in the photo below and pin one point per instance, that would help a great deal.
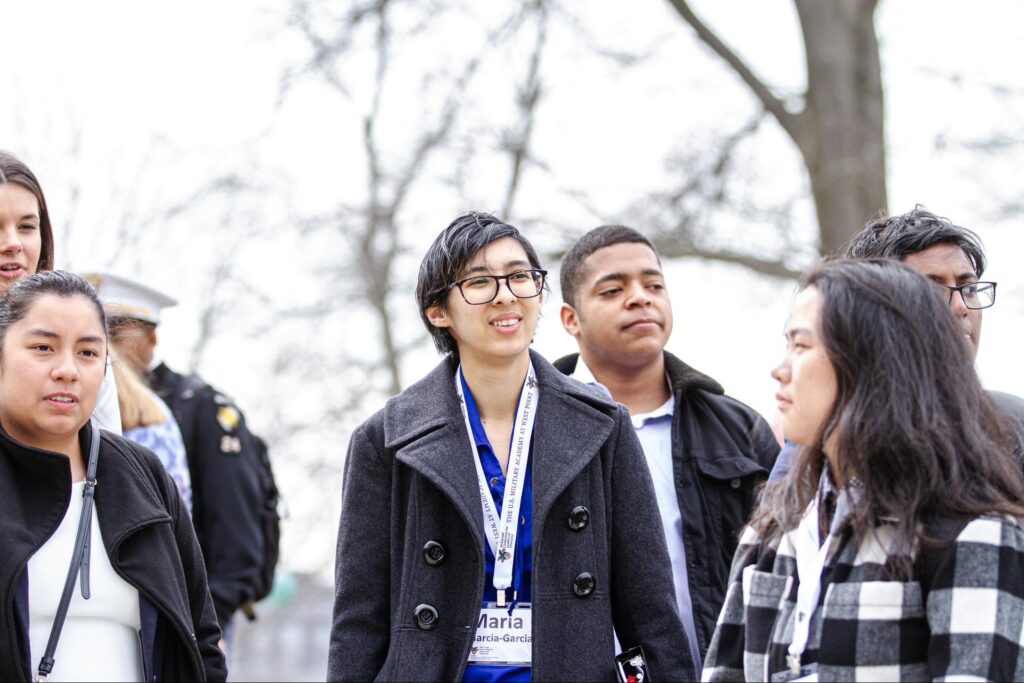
(79, 558)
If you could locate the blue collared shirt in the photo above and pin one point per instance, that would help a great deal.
(524, 541)
(784, 462)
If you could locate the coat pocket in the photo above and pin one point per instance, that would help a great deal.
(727, 486)
(874, 623)
(729, 468)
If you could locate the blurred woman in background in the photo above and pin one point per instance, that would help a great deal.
(148, 421)
(894, 548)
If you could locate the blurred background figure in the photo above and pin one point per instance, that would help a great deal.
(148, 421)
(234, 507)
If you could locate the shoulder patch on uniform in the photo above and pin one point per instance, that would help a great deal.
(230, 444)
(227, 417)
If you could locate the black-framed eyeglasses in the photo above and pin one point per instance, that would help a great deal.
(974, 294)
(483, 289)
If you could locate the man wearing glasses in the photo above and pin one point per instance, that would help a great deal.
(952, 257)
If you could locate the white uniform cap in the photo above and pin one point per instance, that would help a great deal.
(124, 298)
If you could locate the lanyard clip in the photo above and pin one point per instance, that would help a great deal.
(501, 596)
(794, 663)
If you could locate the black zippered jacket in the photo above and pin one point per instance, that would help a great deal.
(147, 536)
(227, 499)
(722, 450)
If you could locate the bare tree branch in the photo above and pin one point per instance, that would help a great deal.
(789, 122)
(679, 246)
(518, 142)
(325, 51)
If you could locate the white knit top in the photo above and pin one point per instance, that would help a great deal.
(100, 640)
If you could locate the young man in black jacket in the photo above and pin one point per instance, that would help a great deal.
(707, 452)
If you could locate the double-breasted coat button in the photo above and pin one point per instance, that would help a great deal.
(425, 617)
(735, 483)
(433, 553)
(578, 518)
(584, 584)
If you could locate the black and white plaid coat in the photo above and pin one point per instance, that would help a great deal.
(962, 618)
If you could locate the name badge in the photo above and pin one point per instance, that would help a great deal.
(501, 638)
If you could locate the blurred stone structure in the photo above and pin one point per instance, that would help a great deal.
(288, 640)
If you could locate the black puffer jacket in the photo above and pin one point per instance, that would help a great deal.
(721, 451)
(147, 535)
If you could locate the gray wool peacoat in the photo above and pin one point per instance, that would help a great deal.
(407, 612)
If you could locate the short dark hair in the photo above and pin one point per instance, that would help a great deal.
(24, 293)
(574, 270)
(896, 237)
(449, 255)
(913, 424)
(12, 170)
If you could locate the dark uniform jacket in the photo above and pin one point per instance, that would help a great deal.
(226, 497)
(410, 480)
(147, 536)
(721, 451)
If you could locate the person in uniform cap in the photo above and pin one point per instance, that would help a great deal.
(226, 494)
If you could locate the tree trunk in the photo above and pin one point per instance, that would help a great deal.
(841, 132)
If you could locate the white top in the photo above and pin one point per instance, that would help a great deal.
(100, 640)
(654, 430)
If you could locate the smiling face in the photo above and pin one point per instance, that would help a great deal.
(947, 264)
(51, 367)
(495, 331)
(20, 238)
(623, 316)
(806, 377)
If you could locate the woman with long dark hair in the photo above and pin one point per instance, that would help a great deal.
(894, 548)
(498, 518)
(101, 576)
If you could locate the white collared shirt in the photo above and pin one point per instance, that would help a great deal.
(654, 430)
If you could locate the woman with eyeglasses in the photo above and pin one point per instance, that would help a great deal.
(498, 518)
(101, 576)
(894, 547)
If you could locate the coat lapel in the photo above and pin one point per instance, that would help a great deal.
(573, 423)
(424, 425)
